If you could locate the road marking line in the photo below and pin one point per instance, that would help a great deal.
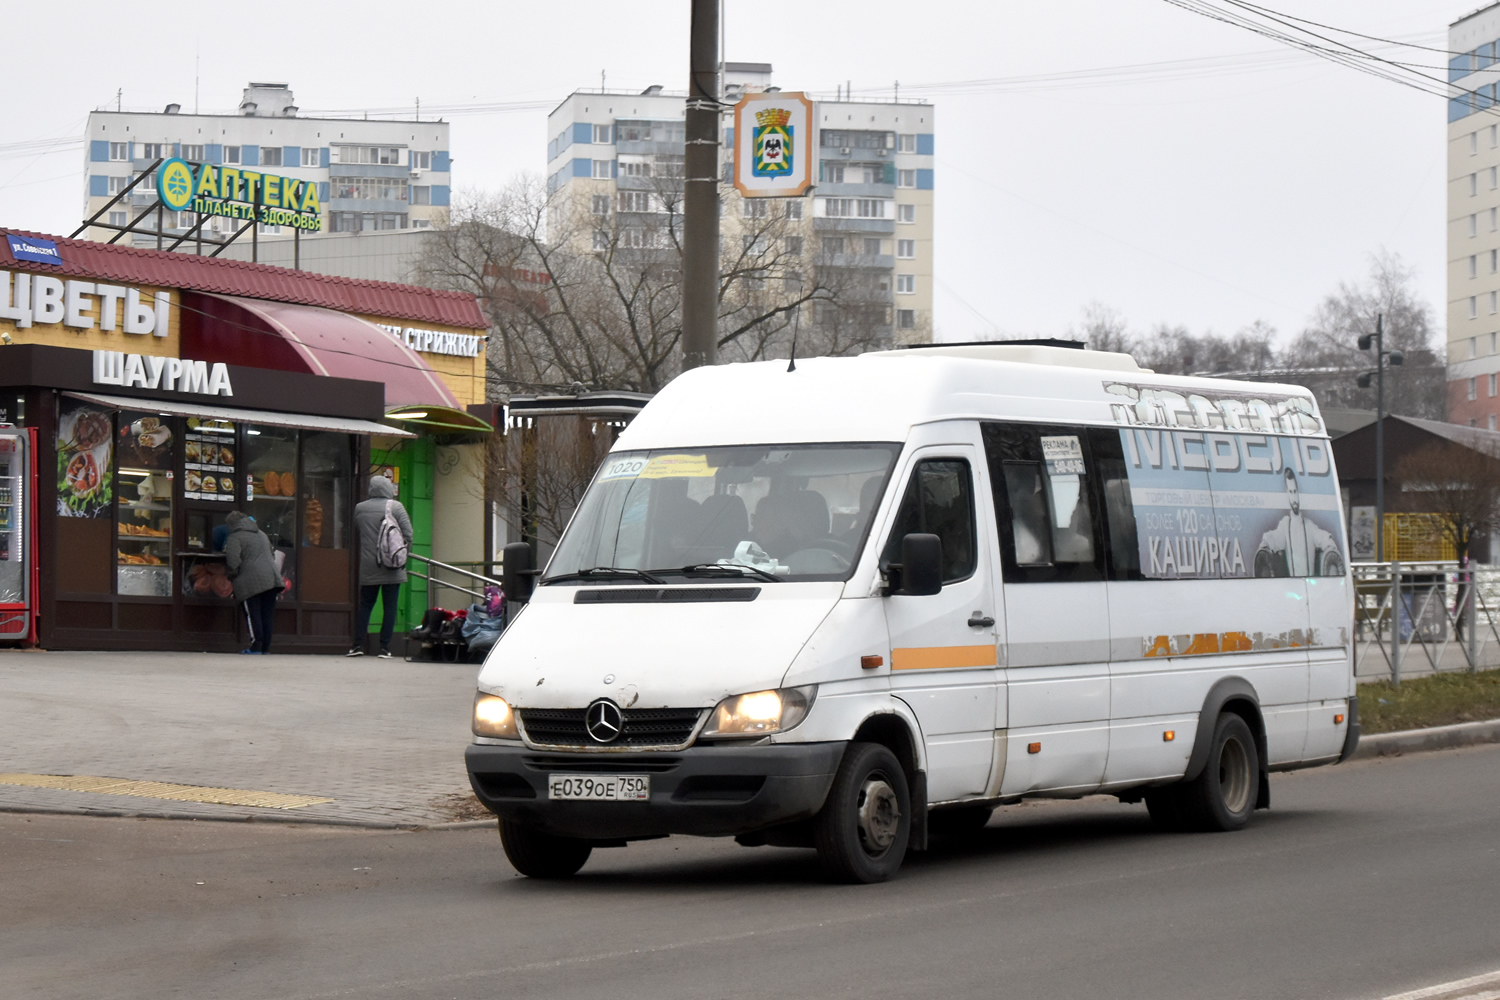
(162, 790)
(1443, 989)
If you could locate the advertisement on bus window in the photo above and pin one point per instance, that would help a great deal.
(1212, 505)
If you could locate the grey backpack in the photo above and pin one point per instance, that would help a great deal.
(390, 545)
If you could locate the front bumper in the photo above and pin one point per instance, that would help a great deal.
(717, 791)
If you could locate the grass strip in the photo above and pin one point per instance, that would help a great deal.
(1437, 700)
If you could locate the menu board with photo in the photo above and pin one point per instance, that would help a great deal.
(209, 460)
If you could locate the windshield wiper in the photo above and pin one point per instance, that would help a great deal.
(606, 573)
(717, 569)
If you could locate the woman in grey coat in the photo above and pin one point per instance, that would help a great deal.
(252, 570)
(376, 580)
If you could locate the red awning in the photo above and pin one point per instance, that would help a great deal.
(310, 339)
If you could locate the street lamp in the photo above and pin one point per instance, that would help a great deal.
(1383, 359)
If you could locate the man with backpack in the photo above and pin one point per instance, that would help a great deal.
(384, 541)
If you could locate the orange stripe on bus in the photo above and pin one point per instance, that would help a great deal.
(943, 657)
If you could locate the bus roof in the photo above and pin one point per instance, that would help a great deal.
(881, 396)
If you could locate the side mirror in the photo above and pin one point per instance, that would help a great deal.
(921, 569)
(516, 575)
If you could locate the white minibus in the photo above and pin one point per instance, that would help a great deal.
(864, 601)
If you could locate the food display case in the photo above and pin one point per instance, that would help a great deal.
(17, 536)
(143, 487)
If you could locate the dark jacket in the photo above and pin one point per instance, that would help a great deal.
(247, 555)
(367, 517)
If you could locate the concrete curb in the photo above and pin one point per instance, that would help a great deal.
(1460, 734)
(358, 824)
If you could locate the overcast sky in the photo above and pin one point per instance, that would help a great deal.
(1210, 194)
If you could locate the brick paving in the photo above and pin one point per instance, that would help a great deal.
(384, 739)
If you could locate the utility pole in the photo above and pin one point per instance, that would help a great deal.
(1383, 359)
(700, 203)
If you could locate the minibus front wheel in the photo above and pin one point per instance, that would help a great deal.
(862, 831)
(542, 855)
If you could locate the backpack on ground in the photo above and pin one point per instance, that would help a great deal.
(391, 548)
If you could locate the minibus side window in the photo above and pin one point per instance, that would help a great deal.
(939, 500)
(1046, 502)
(1119, 511)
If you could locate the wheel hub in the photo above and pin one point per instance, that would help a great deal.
(1234, 776)
(879, 814)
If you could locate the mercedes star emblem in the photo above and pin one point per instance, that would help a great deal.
(604, 721)
(609, 678)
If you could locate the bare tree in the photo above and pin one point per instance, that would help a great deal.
(584, 292)
(1329, 346)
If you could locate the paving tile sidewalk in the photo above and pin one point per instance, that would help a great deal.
(384, 739)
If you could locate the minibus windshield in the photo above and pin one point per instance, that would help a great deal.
(761, 512)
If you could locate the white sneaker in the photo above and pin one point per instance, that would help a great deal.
(356, 651)
(384, 654)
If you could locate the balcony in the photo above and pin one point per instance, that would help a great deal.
(854, 153)
(863, 261)
(650, 147)
(885, 226)
(827, 189)
(337, 170)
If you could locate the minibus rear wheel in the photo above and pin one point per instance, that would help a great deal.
(862, 831)
(1222, 796)
(542, 855)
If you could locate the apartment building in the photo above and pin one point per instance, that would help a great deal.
(1474, 220)
(616, 160)
(370, 175)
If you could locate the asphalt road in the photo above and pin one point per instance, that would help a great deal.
(1364, 881)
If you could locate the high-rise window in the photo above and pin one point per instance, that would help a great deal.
(833, 244)
(794, 246)
(906, 284)
(383, 155)
(906, 143)
(311, 156)
(1494, 386)
(1494, 178)
(1473, 307)
(232, 154)
(119, 218)
(599, 204)
(1473, 265)
(1473, 185)
(1490, 422)
(192, 152)
(270, 156)
(1473, 143)
(755, 208)
(791, 210)
(906, 319)
(1473, 389)
(635, 201)
(839, 208)
(871, 208)
(906, 213)
(1473, 221)
(421, 159)
(635, 168)
(906, 178)
(604, 169)
(118, 184)
(906, 249)
(152, 150)
(1473, 347)
(872, 247)
(1494, 302)
(119, 151)
(833, 173)
(421, 194)
(602, 134)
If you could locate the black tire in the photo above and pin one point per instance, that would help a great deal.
(1165, 806)
(863, 829)
(1223, 796)
(965, 821)
(542, 855)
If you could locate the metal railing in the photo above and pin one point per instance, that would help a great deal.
(434, 581)
(1415, 613)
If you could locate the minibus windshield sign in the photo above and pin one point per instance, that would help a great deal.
(774, 513)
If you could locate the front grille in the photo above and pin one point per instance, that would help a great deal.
(644, 727)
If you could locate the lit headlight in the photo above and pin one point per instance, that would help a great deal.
(493, 717)
(761, 713)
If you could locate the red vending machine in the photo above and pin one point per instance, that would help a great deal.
(18, 571)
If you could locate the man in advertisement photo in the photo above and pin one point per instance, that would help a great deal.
(1297, 546)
